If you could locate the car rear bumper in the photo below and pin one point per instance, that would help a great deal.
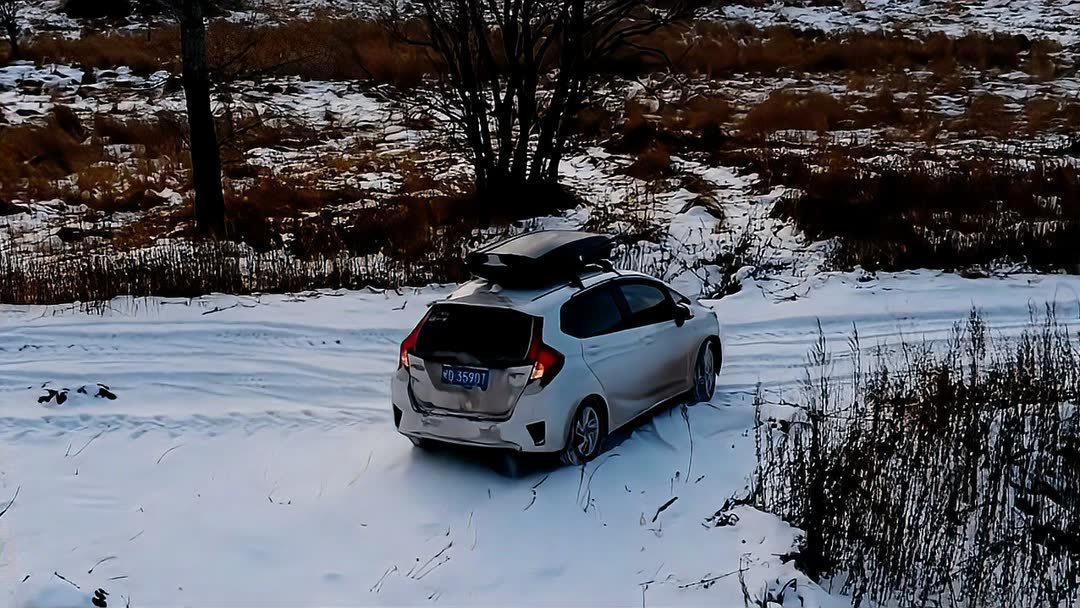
(533, 426)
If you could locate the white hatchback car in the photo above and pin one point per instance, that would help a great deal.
(551, 349)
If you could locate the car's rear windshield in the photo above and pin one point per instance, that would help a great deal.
(486, 334)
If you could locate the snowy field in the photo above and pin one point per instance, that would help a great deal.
(249, 458)
(240, 451)
(1054, 19)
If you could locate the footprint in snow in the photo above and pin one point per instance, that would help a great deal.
(53, 395)
(99, 391)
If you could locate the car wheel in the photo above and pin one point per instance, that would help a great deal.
(587, 434)
(704, 374)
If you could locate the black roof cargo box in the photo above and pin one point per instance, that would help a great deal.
(539, 258)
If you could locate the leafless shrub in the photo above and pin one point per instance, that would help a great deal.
(9, 23)
(937, 475)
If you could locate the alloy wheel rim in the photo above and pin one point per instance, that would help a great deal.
(587, 431)
(706, 377)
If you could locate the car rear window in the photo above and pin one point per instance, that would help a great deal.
(487, 334)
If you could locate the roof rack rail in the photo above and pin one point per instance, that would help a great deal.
(604, 265)
(541, 258)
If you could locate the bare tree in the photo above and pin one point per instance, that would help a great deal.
(9, 21)
(518, 70)
(205, 151)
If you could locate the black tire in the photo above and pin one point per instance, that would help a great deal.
(705, 369)
(588, 430)
(508, 464)
(421, 442)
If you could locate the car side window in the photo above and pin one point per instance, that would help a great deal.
(678, 297)
(647, 304)
(592, 313)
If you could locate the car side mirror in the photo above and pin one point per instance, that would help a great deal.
(682, 313)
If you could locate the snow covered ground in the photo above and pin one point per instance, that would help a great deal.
(249, 458)
(1052, 19)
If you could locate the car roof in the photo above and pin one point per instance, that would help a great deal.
(533, 300)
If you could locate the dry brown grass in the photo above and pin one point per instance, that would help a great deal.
(318, 49)
(97, 9)
(356, 49)
(712, 49)
(106, 49)
(268, 211)
(905, 213)
(34, 157)
(325, 49)
(1040, 64)
(787, 110)
(701, 113)
(240, 131)
(109, 188)
(700, 123)
(258, 214)
(911, 117)
(164, 134)
(1070, 113)
(593, 123)
(1040, 113)
(986, 114)
(652, 163)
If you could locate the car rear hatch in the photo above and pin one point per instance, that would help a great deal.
(471, 360)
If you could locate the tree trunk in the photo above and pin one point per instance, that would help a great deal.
(205, 154)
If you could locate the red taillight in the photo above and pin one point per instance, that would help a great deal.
(410, 342)
(546, 360)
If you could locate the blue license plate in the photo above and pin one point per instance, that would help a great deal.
(469, 377)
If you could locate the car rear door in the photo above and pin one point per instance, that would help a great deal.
(597, 318)
(661, 356)
(471, 341)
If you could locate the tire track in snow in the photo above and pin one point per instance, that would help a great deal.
(769, 343)
(346, 490)
(208, 374)
(255, 370)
